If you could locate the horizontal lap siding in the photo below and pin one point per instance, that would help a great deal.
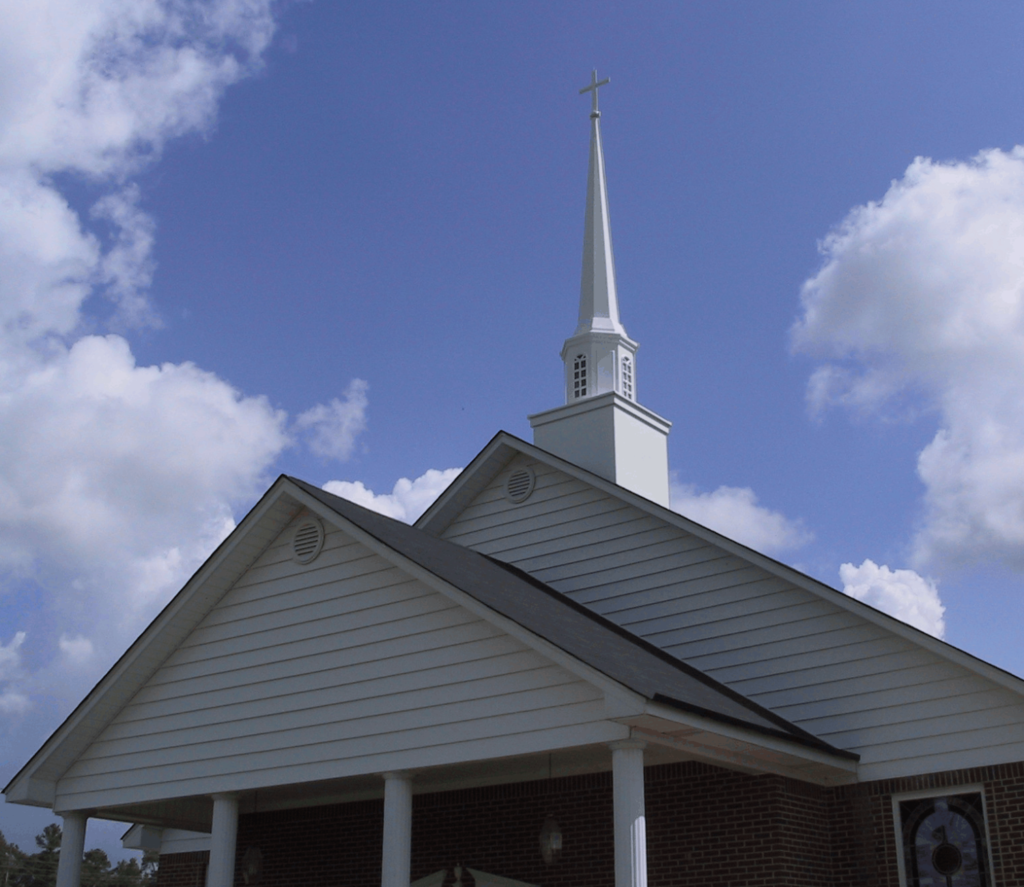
(832, 672)
(300, 668)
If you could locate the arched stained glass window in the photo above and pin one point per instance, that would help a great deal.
(579, 376)
(944, 842)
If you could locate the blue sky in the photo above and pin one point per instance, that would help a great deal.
(343, 242)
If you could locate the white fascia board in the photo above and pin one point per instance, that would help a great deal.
(31, 791)
(746, 759)
(25, 787)
(942, 649)
(142, 837)
(130, 839)
(618, 698)
(176, 840)
(696, 723)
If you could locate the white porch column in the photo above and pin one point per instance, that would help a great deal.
(72, 848)
(221, 871)
(397, 863)
(630, 820)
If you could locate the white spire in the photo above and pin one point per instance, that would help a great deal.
(599, 302)
(599, 357)
(601, 427)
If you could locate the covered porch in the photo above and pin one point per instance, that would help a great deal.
(699, 793)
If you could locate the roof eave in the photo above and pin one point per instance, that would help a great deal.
(742, 747)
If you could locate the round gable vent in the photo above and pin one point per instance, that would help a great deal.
(519, 485)
(307, 541)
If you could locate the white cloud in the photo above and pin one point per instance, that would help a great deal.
(115, 480)
(904, 594)
(10, 655)
(99, 86)
(12, 701)
(121, 478)
(77, 649)
(406, 502)
(919, 306)
(126, 269)
(734, 512)
(332, 428)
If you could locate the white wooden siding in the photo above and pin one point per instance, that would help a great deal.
(341, 667)
(843, 678)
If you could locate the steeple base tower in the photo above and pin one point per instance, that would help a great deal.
(614, 438)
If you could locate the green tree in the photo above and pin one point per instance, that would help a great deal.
(127, 873)
(95, 868)
(39, 869)
(12, 861)
(150, 863)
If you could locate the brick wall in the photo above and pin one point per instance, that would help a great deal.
(711, 827)
(183, 869)
(706, 827)
(1004, 794)
(864, 834)
(497, 830)
(316, 846)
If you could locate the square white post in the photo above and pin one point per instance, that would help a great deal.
(629, 816)
(72, 849)
(221, 872)
(396, 863)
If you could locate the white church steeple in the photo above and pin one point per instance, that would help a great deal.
(601, 427)
(599, 356)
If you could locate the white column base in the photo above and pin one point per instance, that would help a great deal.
(630, 818)
(396, 863)
(221, 871)
(72, 849)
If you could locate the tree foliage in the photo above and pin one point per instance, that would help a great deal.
(39, 869)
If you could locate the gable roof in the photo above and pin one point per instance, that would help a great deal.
(585, 636)
(503, 447)
(592, 639)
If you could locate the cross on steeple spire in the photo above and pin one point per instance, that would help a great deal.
(599, 356)
(593, 88)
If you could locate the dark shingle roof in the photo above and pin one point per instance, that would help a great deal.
(585, 635)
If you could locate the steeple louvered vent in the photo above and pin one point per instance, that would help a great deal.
(519, 485)
(307, 541)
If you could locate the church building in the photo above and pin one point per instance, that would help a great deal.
(550, 679)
